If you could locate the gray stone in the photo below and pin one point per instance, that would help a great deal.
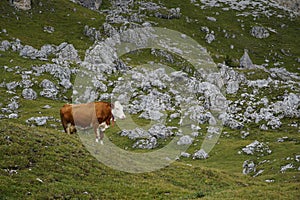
(257, 147)
(13, 116)
(29, 93)
(151, 115)
(201, 154)
(185, 140)
(92, 33)
(160, 131)
(185, 154)
(286, 167)
(12, 85)
(232, 87)
(245, 61)
(49, 29)
(212, 19)
(67, 52)
(135, 133)
(248, 167)
(16, 45)
(21, 4)
(5, 45)
(91, 4)
(145, 143)
(274, 123)
(49, 89)
(29, 52)
(13, 105)
(48, 49)
(205, 29)
(259, 32)
(210, 37)
(39, 121)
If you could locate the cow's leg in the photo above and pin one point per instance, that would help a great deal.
(100, 131)
(68, 129)
(97, 133)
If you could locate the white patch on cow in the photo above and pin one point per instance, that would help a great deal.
(97, 140)
(101, 142)
(103, 126)
(117, 111)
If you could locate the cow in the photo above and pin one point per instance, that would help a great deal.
(95, 114)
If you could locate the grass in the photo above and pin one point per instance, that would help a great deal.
(45, 163)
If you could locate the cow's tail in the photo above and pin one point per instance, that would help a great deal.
(63, 120)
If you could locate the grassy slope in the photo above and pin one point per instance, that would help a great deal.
(65, 167)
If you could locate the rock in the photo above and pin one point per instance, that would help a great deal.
(49, 89)
(29, 52)
(91, 4)
(201, 154)
(100, 58)
(257, 147)
(49, 29)
(47, 107)
(274, 123)
(13, 105)
(160, 131)
(109, 30)
(39, 121)
(29, 94)
(185, 140)
(286, 167)
(92, 33)
(63, 73)
(289, 106)
(259, 32)
(205, 29)
(185, 154)
(173, 13)
(232, 87)
(210, 37)
(21, 4)
(258, 173)
(282, 139)
(67, 52)
(151, 115)
(230, 122)
(244, 134)
(284, 74)
(13, 116)
(212, 19)
(145, 143)
(16, 45)
(12, 85)
(135, 133)
(48, 49)
(5, 45)
(245, 61)
(248, 167)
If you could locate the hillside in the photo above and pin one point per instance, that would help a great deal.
(211, 90)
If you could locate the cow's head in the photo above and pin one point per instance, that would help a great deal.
(117, 110)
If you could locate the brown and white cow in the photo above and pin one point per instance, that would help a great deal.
(96, 114)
